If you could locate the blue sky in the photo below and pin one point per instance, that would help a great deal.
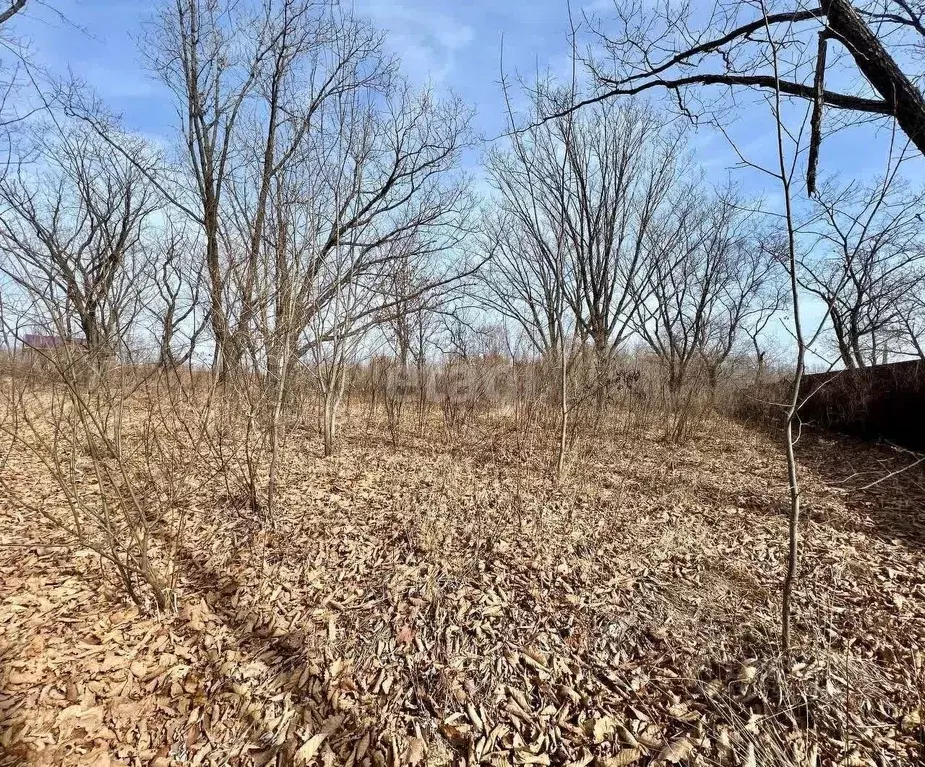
(455, 45)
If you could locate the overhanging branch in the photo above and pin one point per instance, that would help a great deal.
(815, 136)
(790, 17)
(831, 98)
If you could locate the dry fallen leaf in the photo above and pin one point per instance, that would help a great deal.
(405, 635)
(624, 757)
(675, 751)
(308, 749)
(603, 728)
(415, 753)
(457, 734)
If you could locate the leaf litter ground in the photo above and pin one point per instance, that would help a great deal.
(447, 603)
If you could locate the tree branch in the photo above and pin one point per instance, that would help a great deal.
(815, 136)
(832, 98)
(15, 7)
(790, 17)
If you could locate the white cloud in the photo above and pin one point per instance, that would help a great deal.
(119, 83)
(427, 40)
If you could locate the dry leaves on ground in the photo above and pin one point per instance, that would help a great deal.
(448, 604)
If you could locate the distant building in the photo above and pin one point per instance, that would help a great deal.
(39, 341)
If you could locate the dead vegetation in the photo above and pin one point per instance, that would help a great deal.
(320, 444)
(444, 600)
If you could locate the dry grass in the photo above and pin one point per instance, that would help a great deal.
(444, 601)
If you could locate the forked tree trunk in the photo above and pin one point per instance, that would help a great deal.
(333, 394)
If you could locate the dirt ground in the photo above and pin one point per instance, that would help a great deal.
(446, 603)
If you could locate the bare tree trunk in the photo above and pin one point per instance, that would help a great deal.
(282, 367)
(880, 69)
(858, 355)
(793, 552)
(563, 412)
(330, 422)
(422, 394)
(844, 350)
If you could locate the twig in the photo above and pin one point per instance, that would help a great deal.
(894, 473)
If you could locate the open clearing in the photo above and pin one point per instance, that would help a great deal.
(445, 603)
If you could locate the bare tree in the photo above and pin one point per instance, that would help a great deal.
(623, 170)
(711, 283)
(395, 181)
(520, 280)
(689, 268)
(532, 180)
(620, 170)
(753, 297)
(178, 316)
(71, 234)
(784, 173)
(10, 68)
(421, 297)
(317, 55)
(865, 260)
(668, 47)
(263, 90)
(333, 326)
(195, 49)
